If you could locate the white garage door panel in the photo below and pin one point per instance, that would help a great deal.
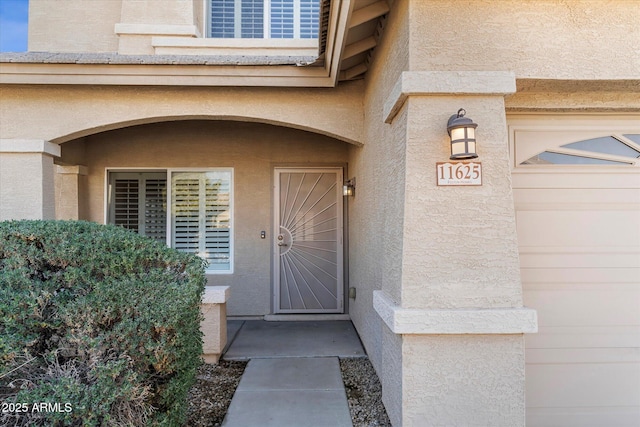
(549, 278)
(583, 197)
(576, 258)
(584, 336)
(579, 239)
(578, 228)
(601, 356)
(607, 307)
(583, 417)
(566, 177)
(582, 385)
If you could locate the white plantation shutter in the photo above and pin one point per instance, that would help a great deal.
(201, 216)
(309, 10)
(138, 203)
(282, 19)
(251, 19)
(155, 208)
(223, 18)
(185, 204)
(218, 222)
(125, 203)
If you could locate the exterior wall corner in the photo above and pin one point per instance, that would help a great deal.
(27, 179)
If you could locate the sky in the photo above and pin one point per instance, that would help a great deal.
(13, 25)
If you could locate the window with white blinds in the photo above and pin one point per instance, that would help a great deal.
(283, 19)
(138, 202)
(199, 216)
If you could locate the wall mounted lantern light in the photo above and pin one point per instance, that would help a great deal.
(463, 136)
(349, 187)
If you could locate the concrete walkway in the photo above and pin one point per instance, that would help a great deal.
(293, 376)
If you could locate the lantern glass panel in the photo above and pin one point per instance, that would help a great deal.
(457, 134)
(471, 134)
(457, 148)
(471, 147)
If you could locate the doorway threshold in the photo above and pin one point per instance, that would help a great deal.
(304, 317)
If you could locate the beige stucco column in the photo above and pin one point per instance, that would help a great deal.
(214, 322)
(70, 182)
(455, 321)
(26, 179)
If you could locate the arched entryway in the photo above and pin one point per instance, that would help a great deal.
(206, 187)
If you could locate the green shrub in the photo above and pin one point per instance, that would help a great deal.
(99, 321)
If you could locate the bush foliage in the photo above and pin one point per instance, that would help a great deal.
(98, 322)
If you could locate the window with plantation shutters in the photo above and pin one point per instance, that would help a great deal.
(200, 203)
(276, 19)
(199, 215)
(138, 203)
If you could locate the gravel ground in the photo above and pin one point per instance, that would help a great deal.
(210, 397)
(364, 393)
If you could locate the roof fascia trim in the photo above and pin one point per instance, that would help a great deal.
(341, 11)
(163, 75)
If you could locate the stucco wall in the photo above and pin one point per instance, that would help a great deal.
(70, 182)
(544, 39)
(142, 19)
(376, 212)
(172, 12)
(472, 371)
(251, 149)
(422, 260)
(460, 248)
(23, 174)
(62, 113)
(124, 26)
(575, 95)
(64, 26)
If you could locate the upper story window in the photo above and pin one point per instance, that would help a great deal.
(264, 19)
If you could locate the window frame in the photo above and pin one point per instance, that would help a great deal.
(589, 157)
(127, 175)
(532, 133)
(168, 171)
(266, 24)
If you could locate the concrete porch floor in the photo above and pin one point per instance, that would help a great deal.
(249, 339)
(293, 377)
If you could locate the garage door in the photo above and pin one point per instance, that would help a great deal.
(576, 187)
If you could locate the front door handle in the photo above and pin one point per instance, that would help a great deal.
(281, 240)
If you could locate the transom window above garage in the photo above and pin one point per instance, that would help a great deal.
(264, 19)
(623, 149)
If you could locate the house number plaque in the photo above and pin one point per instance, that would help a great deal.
(459, 173)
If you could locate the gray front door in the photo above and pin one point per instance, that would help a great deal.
(308, 246)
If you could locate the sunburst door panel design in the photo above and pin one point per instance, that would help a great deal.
(308, 241)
